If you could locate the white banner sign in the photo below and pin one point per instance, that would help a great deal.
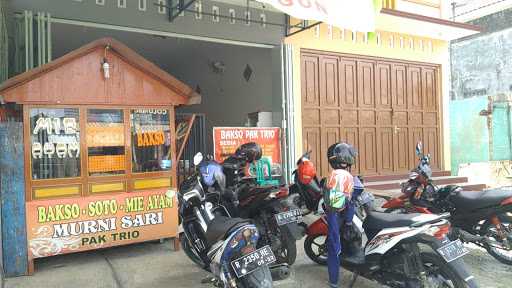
(357, 15)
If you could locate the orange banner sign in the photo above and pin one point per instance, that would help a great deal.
(227, 139)
(70, 225)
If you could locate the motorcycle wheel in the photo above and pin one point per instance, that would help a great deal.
(489, 230)
(440, 273)
(287, 253)
(260, 278)
(190, 252)
(316, 248)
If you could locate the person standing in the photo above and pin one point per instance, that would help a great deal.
(337, 196)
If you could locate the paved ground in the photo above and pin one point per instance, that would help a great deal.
(153, 265)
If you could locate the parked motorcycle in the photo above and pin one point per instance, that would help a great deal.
(275, 216)
(306, 191)
(481, 217)
(390, 242)
(227, 247)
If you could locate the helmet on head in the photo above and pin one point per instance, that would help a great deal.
(249, 152)
(306, 172)
(341, 155)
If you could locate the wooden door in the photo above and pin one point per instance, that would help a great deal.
(381, 106)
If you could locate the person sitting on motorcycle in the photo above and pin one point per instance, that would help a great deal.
(337, 196)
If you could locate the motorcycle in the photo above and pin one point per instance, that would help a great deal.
(275, 216)
(480, 217)
(306, 191)
(225, 246)
(391, 254)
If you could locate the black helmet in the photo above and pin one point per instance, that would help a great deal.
(341, 155)
(249, 152)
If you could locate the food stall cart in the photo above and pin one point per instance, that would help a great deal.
(91, 156)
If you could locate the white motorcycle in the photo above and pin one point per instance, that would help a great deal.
(391, 252)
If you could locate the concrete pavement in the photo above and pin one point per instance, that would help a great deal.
(154, 265)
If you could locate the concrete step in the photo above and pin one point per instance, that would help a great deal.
(403, 176)
(395, 184)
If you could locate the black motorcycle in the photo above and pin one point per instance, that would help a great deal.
(227, 247)
(481, 217)
(275, 216)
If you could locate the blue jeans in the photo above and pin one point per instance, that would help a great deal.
(334, 247)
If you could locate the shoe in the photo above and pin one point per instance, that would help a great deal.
(331, 285)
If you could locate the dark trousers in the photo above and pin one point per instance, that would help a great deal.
(335, 220)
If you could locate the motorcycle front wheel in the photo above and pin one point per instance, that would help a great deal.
(260, 278)
(315, 247)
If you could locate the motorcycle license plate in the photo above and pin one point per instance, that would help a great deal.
(453, 251)
(287, 217)
(252, 261)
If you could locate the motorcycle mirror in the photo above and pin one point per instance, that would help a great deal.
(198, 158)
(419, 148)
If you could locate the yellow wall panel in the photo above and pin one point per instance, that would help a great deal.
(152, 183)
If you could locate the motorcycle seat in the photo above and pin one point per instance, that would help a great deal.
(222, 226)
(378, 220)
(471, 200)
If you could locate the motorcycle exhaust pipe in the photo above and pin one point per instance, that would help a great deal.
(468, 237)
(280, 272)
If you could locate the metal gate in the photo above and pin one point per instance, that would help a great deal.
(196, 142)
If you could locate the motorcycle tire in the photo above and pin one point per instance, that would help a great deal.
(495, 252)
(289, 255)
(319, 258)
(260, 278)
(434, 261)
(191, 254)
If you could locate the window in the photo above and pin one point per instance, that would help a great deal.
(161, 6)
(121, 3)
(54, 143)
(215, 12)
(105, 142)
(142, 5)
(247, 18)
(263, 20)
(151, 140)
(232, 16)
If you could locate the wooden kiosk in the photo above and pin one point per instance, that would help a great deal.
(91, 156)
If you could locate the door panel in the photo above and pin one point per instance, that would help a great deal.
(368, 151)
(383, 85)
(348, 83)
(365, 84)
(428, 85)
(329, 81)
(430, 146)
(398, 86)
(414, 96)
(401, 149)
(385, 151)
(310, 91)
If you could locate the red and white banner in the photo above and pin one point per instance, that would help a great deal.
(358, 15)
